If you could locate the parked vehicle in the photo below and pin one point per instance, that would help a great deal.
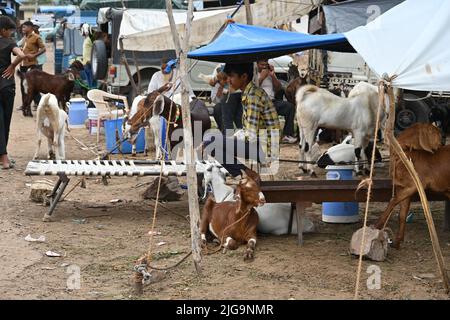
(108, 67)
(339, 72)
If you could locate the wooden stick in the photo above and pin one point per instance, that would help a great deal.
(248, 12)
(194, 210)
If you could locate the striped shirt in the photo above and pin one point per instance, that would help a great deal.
(259, 117)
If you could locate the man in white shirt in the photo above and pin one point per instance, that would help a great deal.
(268, 81)
(169, 81)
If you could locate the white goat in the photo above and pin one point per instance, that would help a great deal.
(317, 107)
(51, 122)
(273, 217)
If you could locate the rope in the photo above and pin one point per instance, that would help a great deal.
(369, 181)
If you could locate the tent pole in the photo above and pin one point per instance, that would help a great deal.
(248, 12)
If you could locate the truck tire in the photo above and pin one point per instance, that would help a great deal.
(99, 60)
(414, 111)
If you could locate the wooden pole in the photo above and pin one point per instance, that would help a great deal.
(182, 49)
(248, 12)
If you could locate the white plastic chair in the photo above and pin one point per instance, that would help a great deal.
(103, 107)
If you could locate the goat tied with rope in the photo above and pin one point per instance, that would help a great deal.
(157, 105)
(422, 145)
(235, 222)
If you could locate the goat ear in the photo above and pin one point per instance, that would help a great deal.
(70, 76)
(429, 139)
(158, 105)
(244, 174)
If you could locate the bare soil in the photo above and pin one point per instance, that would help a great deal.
(104, 240)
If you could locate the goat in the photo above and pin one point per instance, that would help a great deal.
(138, 103)
(51, 122)
(234, 221)
(158, 105)
(422, 145)
(344, 153)
(36, 81)
(317, 107)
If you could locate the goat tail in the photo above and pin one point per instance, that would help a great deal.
(45, 99)
(303, 91)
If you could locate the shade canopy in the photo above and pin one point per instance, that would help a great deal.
(411, 42)
(246, 43)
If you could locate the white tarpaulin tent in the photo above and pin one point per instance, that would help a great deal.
(148, 30)
(411, 41)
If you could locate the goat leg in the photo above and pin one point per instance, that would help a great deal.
(250, 252)
(38, 146)
(404, 208)
(51, 151)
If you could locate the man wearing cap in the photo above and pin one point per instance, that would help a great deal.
(32, 48)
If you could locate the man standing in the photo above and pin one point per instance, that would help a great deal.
(268, 81)
(32, 48)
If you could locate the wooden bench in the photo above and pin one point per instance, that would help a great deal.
(303, 193)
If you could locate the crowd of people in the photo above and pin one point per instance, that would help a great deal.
(242, 107)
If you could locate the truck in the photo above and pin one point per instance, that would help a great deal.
(339, 72)
(108, 67)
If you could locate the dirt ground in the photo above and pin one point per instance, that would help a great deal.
(104, 239)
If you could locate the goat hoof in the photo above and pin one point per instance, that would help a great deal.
(367, 172)
(313, 175)
(225, 250)
(47, 218)
(249, 255)
(396, 244)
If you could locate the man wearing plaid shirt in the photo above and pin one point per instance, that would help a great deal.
(260, 123)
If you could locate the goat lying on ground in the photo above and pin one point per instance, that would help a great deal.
(36, 81)
(234, 222)
(273, 217)
(317, 107)
(51, 122)
(422, 144)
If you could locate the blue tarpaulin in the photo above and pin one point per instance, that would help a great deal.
(246, 43)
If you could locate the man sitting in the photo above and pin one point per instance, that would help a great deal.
(268, 80)
(260, 132)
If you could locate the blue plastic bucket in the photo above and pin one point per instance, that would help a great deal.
(115, 126)
(78, 112)
(340, 212)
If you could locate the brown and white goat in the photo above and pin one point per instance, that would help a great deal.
(36, 81)
(234, 222)
(422, 145)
